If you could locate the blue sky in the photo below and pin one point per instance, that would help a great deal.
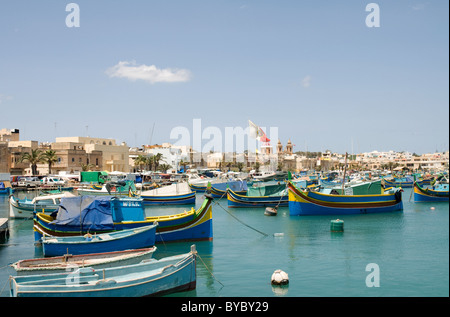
(313, 69)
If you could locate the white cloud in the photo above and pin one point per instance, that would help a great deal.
(306, 82)
(151, 73)
(5, 98)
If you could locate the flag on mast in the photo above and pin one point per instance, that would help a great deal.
(257, 133)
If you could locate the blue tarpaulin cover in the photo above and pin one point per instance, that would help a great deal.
(88, 212)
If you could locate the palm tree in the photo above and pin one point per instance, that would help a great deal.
(35, 157)
(156, 159)
(240, 166)
(164, 167)
(50, 157)
(140, 160)
(183, 163)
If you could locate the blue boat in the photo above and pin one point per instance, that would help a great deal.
(260, 196)
(147, 278)
(315, 203)
(5, 188)
(219, 190)
(437, 192)
(106, 214)
(403, 182)
(106, 242)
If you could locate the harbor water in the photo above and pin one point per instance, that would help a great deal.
(400, 254)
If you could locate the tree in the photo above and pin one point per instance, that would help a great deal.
(140, 160)
(156, 159)
(35, 157)
(183, 163)
(50, 157)
(164, 167)
(240, 166)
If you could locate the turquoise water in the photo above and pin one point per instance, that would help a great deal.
(410, 248)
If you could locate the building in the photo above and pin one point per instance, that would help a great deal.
(115, 157)
(8, 135)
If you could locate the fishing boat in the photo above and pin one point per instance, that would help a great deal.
(438, 191)
(403, 182)
(219, 190)
(356, 187)
(174, 194)
(147, 278)
(113, 188)
(66, 262)
(27, 208)
(136, 238)
(119, 214)
(260, 196)
(309, 202)
(5, 188)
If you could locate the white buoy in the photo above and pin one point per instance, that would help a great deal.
(432, 208)
(280, 277)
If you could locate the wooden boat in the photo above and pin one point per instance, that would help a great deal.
(147, 278)
(353, 188)
(439, 191)
(316, 203)
(403, 182)
(27, 208)
(219, 190)
(136, 238)
(66, 262)
(260, 196)
(174, 194)
(193, 224)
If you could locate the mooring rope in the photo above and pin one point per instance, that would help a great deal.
(217, 203)
(198, 255)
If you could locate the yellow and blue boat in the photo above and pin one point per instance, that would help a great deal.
(260, 196)
(307, 202)
(108, 214)
(439, 191)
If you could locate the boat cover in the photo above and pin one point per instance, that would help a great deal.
(233, 185)
(267, 190)
(88, 212)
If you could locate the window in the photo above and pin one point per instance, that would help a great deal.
(73, 159)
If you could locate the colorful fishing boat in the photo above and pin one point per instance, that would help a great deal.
(316, 203)
(119, 214)
(403, 182)
(5, 188)
(67, 262)
(260, 196)
(219, 190)
(439, 191)
(174, 194)
(27, 208)
(136, 238)
(147, 278)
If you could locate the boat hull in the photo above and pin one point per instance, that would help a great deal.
(62, 264)
(303, 203)
(183, 199)
(22, 209)
(430, 195)
(189, 225)
(148, 278)
(240, 201)
(138, 238)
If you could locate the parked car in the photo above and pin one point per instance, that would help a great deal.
(53, 180)
(28, 181)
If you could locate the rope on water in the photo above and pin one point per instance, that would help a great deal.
(198, 255)
(217, 203)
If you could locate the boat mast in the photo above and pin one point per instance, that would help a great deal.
(345, 170)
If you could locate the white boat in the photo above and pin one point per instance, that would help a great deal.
(26, 208)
